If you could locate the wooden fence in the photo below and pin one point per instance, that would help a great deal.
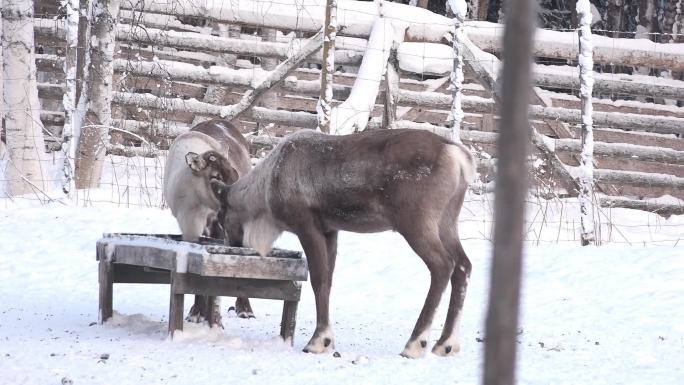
(175, 62)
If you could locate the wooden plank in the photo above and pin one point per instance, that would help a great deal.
(248, 266)
(236, 287)
(144, 256)
(139, 274)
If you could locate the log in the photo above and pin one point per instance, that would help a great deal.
(663, 209)
(635, 178)
(563, 45)
(565, 77)
(356, 17)
(218, 44)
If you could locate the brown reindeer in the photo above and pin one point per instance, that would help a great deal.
(187, 190)
(314, 185)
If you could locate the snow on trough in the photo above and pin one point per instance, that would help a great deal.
(602, 315)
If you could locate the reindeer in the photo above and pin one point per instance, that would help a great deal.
(314, 185)
(187, 190)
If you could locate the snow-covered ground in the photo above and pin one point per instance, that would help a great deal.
(612, 314)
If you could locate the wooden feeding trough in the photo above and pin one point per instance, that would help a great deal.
(206, 267)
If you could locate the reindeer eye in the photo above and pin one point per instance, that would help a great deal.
(212, 158)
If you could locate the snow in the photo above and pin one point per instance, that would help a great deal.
(353, 113)
(600, 315)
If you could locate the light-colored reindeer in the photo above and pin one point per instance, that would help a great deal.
(187, 190)
(314, 185)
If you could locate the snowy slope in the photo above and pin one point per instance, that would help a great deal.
(608, 315)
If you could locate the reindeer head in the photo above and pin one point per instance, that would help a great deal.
(211, 165)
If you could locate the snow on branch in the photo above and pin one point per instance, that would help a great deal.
(352, 115)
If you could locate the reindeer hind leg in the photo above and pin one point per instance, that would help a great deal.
(429, 248)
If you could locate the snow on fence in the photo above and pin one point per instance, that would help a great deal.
(175, 62)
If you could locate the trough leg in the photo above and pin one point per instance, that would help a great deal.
(106, 278)
(175, 306)
(289, 320)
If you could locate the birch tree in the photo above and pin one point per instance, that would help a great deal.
(23, 129)
(459, 9)
(586, 176)
(95, 130)
(69, 99)
(324, 106)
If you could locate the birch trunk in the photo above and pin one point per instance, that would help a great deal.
(71, 24)
(586, 177)
(324, 106)
(458, 8)
(95, 130)
(4, 158)
(23, 129)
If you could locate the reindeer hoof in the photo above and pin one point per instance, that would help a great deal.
(320, 342)
(246, 314)
(414, 349)
(446, 349)
(194, 316)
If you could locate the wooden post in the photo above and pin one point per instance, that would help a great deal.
(511, 190)
(289, 321)
(176, 303)
(324, 106)
(392, 77)
(95, 129)
(586, 176)
(106, 280)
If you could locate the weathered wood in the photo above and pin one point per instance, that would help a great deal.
(143, 256)
(139, 274)
(176, 304)
(247, 266)
(106, 280)
(288, 321)
(236, 287)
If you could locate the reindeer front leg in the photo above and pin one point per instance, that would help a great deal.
(314, 244)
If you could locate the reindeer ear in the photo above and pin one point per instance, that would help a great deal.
(219, 189)
(195, 162)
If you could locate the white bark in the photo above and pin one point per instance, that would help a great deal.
(25, 148)
(586, 176)
(352, 115)
(324, 106)
(69, 97)
(94, 134)
(458, 8)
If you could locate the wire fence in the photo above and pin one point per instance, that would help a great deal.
(151, 57)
